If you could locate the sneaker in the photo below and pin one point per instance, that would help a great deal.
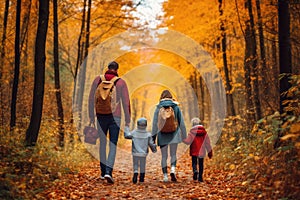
(165, 178)
(109, 178)
(195, 175)
(102, 176)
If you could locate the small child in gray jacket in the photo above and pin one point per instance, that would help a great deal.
(141, 140)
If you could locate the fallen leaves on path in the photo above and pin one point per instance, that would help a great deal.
(87, 184)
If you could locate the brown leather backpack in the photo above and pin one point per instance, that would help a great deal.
(105, 96)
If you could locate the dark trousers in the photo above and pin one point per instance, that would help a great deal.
(198, 161)
(139, 162)
(164, 156)
(108, 124)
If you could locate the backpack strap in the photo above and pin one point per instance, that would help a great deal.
(114, 79)
(102, 78)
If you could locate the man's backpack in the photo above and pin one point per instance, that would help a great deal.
(105, 96)
(167, 121)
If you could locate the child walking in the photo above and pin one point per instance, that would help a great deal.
(141, 140)
(199, 143)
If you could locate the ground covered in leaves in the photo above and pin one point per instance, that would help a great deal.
(86, 184)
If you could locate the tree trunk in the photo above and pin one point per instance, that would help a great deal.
(247, 70)
(285, 65)
(78, 89)
(143, 107)
(60, 111)
(2, 63)
(83, 67)
(264, 83)
(25, 25)
(134, 112)
(39, 74)
(87, 36)
(17, 67)
(254, 66)
(201, 87)
(79, 42)
(231, 110)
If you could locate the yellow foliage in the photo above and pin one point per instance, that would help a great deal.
(232, 166)
(288, 136)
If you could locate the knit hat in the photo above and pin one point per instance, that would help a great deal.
(196, 121)
(142, 123)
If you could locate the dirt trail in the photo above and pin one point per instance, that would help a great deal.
(86, 184)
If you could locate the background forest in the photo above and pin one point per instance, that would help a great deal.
(255, 45)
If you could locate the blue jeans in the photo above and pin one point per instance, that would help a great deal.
(111, 124)
(164, 156)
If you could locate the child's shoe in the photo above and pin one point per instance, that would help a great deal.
(195, 175)
(134, 178)
(165, 178)
(142, 177)
(172, 174)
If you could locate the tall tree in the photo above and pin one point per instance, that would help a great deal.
(13, 105)
(261, 47)
(80, 44)
(247, 77)
(60, 110)
(39, 74)
(2, 56)
(254, 66)
(225, 65)
(82, 74)
(24, 32)
(285, 63)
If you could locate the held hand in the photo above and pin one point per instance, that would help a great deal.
(127, 134)
(92, 120)
(185, 142)
(210, 154)
(154, 150)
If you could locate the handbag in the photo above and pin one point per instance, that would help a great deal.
(90, 134)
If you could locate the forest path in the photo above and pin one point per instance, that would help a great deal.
(86, 184)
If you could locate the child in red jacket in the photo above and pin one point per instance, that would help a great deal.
(199, 143)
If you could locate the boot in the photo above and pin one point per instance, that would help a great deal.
(195, 175)
(142, 177)
(134, 178)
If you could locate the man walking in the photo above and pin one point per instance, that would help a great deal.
(110, 122)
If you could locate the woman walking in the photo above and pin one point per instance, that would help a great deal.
(169, 129)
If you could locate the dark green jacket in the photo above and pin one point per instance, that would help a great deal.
(168, 138)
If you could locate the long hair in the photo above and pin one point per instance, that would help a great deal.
(166, 94)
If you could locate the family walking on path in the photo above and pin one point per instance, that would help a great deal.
(107, 93)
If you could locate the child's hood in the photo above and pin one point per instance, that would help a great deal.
(198, 130)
